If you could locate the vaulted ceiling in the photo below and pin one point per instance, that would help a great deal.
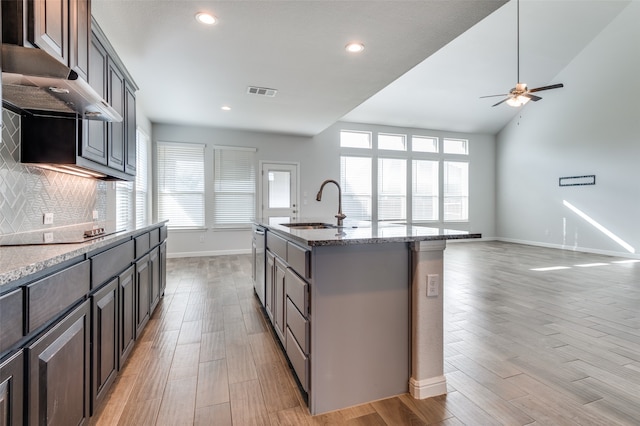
(425, 63)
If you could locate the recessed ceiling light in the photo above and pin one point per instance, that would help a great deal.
(226, 108)
(206, 18)
(354, 47)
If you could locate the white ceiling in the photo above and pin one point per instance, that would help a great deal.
(405, 77)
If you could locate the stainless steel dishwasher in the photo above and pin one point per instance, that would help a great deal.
(258, 254)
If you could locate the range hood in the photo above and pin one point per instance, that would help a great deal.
(32, 80)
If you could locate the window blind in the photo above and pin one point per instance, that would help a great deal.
(392, 189)
(425, 190)
(234, 186)
(456, 191)
(355, 180)
(142, 178)
(124, 205)
(180, 170)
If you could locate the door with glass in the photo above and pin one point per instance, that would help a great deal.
(279, 192)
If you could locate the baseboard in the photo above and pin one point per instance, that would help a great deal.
(570, 248)
(207, 253)
(427, 388)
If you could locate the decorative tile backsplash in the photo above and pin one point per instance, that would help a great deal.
(27, 192)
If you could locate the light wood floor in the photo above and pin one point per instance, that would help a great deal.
(522, 347)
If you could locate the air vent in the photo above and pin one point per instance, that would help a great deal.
(261, 91)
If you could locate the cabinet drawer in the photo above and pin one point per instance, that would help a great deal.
(277, 245)
(143, 244)
(11, 311)
(50, 296)
(297, 290)
(111, 263)
(154, 237)
(163, 233)
(299, 259)
(299, 361)
(298, 325)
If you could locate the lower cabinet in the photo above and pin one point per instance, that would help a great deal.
(279, 297)
(58, 371)
(127, 310)
(105, 316)
(12, 390)
(163, 267)
(155, 279)
(143, 285)
(269, 280)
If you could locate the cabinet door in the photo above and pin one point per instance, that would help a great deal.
(163, 267)
(11, 388)
(154, 264)
(279, 299)
(104, 306)
(143, 283)
(59, 372)
(115, 130)
(130, 130)
(127, 309)
(80, 36)
(269, 285)
(49, 27)
(94, 139)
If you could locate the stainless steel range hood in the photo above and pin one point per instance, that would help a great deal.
(32, 80)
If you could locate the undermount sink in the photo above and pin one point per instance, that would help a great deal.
(311, 225)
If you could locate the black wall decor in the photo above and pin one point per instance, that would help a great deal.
(577, 180)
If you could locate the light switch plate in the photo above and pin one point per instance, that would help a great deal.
(433, 282)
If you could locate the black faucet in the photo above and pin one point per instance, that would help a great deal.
(340, 216)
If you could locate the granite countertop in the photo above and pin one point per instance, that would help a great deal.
(17, 262)
(363, 232)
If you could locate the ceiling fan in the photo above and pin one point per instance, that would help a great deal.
(520, 95)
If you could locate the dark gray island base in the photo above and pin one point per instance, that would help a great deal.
(351, 310)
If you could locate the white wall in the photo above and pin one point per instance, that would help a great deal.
(591, 126)
(319, 159)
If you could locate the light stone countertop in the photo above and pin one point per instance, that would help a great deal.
(364, 232)
(17, 262)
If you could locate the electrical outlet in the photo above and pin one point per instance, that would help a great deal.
(48, 218)
(202, 238)
(433, 282)
(47, 237)
(96, 216)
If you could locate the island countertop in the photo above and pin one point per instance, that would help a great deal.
(363, 232)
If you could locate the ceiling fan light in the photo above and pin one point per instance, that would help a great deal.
(517, 101)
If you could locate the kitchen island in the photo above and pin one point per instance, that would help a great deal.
(358, 308)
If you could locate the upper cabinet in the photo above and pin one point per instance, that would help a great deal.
(60, 27)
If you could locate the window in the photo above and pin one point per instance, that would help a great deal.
(181, 184)
(124, 205)
(424, 190)
(388, 180)
(355, 180)
(392, 142)
(234, 186)
(142, 179)
(455, 146)
(424, 144)
(456, 191)
(354, 139)
(392, 189)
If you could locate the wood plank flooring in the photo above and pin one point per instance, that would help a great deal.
(522, 347)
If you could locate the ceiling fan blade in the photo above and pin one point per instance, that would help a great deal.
(493, 96)
(532, 97)
(504, 100)
(553, 86)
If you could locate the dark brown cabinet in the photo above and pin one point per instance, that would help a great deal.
(127, 309)
(155, 279)
(130, 129)
(143, 284)
(11, 310)
(80, 36)
(104, 319)
(94, 140)
(58, 386)
(11, 390)
(115, 130)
